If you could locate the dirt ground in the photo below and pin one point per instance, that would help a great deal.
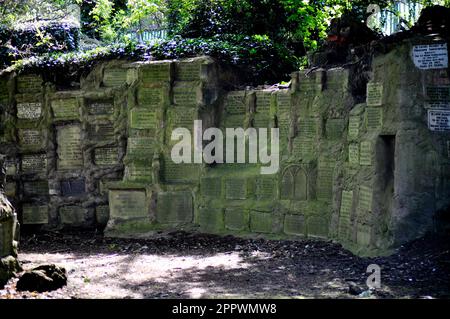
(181, 265)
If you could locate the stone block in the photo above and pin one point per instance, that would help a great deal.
(69, 151)
(211, 219)
(128, 204)
(72, 215)
(236, 219)
(174, 208)
(65, 109)
(261, 222)
(294, 225)
(236, 188)
(211, 187)
(317, 227)
(34, 214)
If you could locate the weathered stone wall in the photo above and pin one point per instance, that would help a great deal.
(370, 176)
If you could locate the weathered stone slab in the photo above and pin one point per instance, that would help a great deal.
(294, 225)
(236, 219)
(363, 235)
(69, 151)
(308, 127)
(141, 147)
(114, 77)
(100, 107)
(263, 100)
(334, 128)
(261, 222)
(234, 121)
(353, 154)
(102, 214)
(180, 173)
(287, 185)
(304, 147)
(265, 188)
(365, 198)
(29, 110)
(106, 156)
(438, 96)
(65, 109)
(101, 131)
(211, 187)
(157, 72)
(188, 71)
(36, 188)
(365, 153)
(430, 56)
(284, 102)
(150, 97)
(354, 126)
(235, 103)
(174, 208)
(72, 215)
(211, 219)
(143, 119)
(374, 118)
(236, 188)
(34, 163)
(73, 187)
(28, 84)
(185, 96)
(261, 121)
(139, 172)
(182, 117)
(345, 214)
(35, 214)
(439, 120)
(31, 138)
(128, 204)
(374, 94)
(317, 227)
(325, 180)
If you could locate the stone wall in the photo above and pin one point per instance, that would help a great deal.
(371, 175)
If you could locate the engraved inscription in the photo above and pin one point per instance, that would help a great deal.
(69, 147)
(35, 215)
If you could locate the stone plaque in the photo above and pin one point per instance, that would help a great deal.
(365, 198)
(317, 227)
(29, 84)
(182, 117)
(304, 148)
(65, 109)
(263, 99)
(34, 163)
(180, 173)
(438, 95)
(101, 131)
(139, 172)
(261, 121)
(374, 118)
(106, 156)
(353, 126)
(72, 215)
(35, 188)
(265, 188)
(287, 185)
(325, 181)
(174, 208)
(294, 225)
(31, 138)
(157, 72)
(236, 219)
(235, 103)
(439, 120)
(307, 127)
(334, 128)
(128, 204)
(353, 154)
(261, 222)
(114, 77)
(284, 102)
(142, 119)
(188, 71)
(346, 203)
(234, 121)
(374, 94)
(211, 187)
(73, 187)
(431, 56)
(210, 219)
(141, 147)
(365, 153)
(105, 107)
(300, 185)
(150, 97)
(236, 188)
(102, 214)
(29, 111)
(185, 96)
(69, 151)
(34, 214)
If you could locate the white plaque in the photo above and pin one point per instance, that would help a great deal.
(439, 120)
(431, 56)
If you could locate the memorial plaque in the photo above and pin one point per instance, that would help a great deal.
(150, 97)
(128, 204)
(263, 99)
(265, 188)
(182, 117)
(304, 148)
(210, 219)
(65, 109)
(374, 94)
(114, 77)
(142, 119)
(29, 84)
(262, 121)
(141, 147)
(284, 124)
(365, 154)
(105, 107)
(300, 185)
(185, 96)
(211, 187)
(261, 222)
(31, 138)
(174, 208)
(287, 185)
(374, 118)
(294, 225)
(353, 154)
(73, 187)
(431, 56)
(34, 163)
(139, 172)
(365, 198)
(439, 120)
(284, 102)
(69, 147)
(236, 219)
(101, 131)
(334, 128)
(72, 215)
(325, 181)
(180, 173)
(353, 126)
(236, 188)
(438, 94)
(106, 156)
(346, 203)
(35, 214)
(188, 71)
(102, 214)
(157, 72)
(234, 121)
(307, 127)
(235, 103)
(29, 111)
(317, 227)
(36, 188)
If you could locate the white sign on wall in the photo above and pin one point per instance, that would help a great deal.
(431, 56)
(439, 120)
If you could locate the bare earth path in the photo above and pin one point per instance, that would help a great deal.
(180, 265)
